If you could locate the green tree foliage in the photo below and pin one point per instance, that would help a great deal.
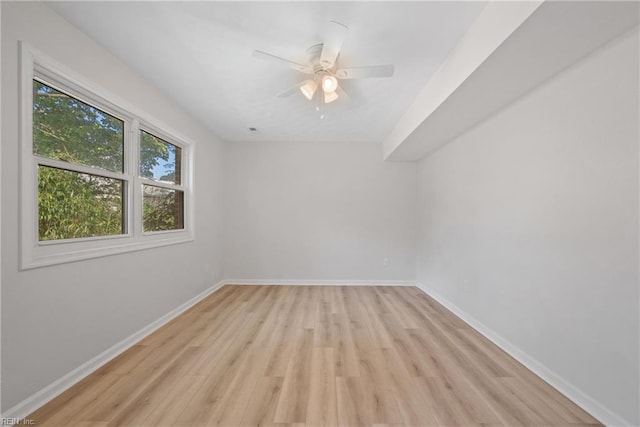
(152, 151)
(162, 209)
(71, 204)
(67, 129)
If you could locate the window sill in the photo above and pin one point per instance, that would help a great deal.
(48, 255)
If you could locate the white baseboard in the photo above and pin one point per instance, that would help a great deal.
(290, 282)
(38, 399)
(580, 398)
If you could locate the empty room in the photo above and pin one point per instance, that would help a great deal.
(299, 213)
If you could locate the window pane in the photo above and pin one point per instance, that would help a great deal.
(67, 129)
(159, 159)
(163, 209)
(73, 205)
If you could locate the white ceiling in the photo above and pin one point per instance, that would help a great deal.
(199, 53)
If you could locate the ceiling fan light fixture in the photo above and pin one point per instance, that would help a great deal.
(309, 88)
(330, 97)
(329, 84)
(323, 71)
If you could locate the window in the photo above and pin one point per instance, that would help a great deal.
(69, 136)
(98, 177)
(162, 194)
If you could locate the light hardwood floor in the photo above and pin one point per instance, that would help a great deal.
(313, 356)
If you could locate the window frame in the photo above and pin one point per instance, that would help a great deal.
(35, 253)
(158, 133)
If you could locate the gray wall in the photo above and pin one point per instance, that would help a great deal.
(56, 318)
(324, 211)
(529, 223)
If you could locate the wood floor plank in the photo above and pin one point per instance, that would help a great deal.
(344, 347)
(454, 369)
(354, 402)
(412, 403)
(379, 333)
(324, 330)
(232, 407)
(307, 356)
(376, 377)
(72, 402)
(449, 408)
(261, 409)
(155, 393)
(292, 405)
(115, 398)
(284, 336)
(321, 405)
(166, 412)
(222, 372)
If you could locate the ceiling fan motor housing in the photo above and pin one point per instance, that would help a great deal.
(314, 53)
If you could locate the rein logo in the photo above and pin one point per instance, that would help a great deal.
(17, 422)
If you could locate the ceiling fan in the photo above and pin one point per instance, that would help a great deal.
(323, 86)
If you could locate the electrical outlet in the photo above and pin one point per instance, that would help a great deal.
(385, 262)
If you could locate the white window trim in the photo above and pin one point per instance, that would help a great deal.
(34, 253)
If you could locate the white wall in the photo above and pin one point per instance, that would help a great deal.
(529, 223)
(54, 319)
(318, 211)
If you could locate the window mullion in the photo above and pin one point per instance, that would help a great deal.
(126, 169)
(136, 187)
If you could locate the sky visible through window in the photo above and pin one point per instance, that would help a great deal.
(165, 167)
(160, 160)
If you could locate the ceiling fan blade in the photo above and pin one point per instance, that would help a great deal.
(343, 95)
(273, 58)
(332, 44)
(291, 90)
(366, 72)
